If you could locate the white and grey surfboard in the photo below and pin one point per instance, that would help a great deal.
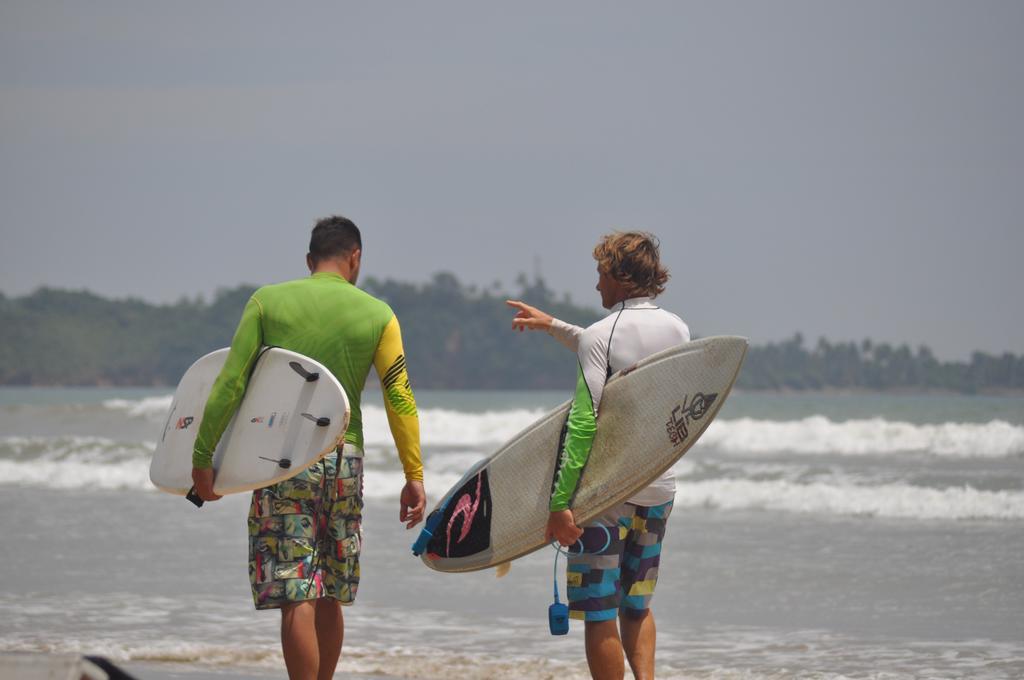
(294, 412)
(650, 415)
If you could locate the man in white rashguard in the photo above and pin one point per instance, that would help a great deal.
(615, 584)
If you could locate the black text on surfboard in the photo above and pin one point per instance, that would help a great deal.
(679, 420)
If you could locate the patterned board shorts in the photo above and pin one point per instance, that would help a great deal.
(305, 534)
(620, 578)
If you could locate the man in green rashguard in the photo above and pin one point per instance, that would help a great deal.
(305, 532)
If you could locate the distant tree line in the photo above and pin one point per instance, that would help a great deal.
(875, 366)
(59, 337)
(456, 337)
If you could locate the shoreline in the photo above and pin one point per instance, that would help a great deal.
(17, 665)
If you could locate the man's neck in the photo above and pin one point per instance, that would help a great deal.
(622, 297)
(341, 269)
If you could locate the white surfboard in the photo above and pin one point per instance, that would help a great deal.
(650, 415)
(294, 413)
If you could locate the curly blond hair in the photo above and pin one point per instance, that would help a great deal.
(633, 259)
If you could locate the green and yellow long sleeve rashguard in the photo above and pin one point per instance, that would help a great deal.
(344, 328)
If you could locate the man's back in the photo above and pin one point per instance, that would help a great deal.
(634, 330)
(344, 328)
(328, 319)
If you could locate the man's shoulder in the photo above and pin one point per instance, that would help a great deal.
(273, 289)
(603, 322)
(676, 320)
(596, 334)
(350, 293)
(371, 301)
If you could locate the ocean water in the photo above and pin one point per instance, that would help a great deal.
(814, 536)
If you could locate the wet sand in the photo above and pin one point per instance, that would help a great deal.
(26, 666)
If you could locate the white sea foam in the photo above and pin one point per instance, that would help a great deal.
(93, 463)
(445, 427)
(454, 440)
(75, 448)
(75, 463)
(387, 484)
(884, 500)
(873, 436)
(814, 434)
(73, 475)
(438, 426)
(148, 407)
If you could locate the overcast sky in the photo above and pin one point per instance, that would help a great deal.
(841, 169)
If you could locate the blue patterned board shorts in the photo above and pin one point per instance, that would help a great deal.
(622, 577)
(305, 534)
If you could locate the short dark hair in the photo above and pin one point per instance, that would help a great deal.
(333, 236)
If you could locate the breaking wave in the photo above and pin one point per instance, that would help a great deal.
(438, 426)
(94, 463)
(872, 436)
(814, 434)
(75, 463)
(710, 477)
(901, 501)
(149, 407)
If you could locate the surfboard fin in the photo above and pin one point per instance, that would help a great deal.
(322, 421)
(501, 571)
(298, 368)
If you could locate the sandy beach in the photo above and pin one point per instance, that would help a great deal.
(19, 666)
(174, 672)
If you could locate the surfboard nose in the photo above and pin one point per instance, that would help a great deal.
(725, 349)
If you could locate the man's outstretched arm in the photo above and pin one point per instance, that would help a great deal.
(403, 420)
(531, 318)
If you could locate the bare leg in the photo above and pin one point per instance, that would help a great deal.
(298, 640)
(638, 641)
(604, 650)
(330, 632)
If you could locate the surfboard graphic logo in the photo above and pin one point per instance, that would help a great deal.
(465, 508)
(467, 520)
(678, 425)
(184, 422)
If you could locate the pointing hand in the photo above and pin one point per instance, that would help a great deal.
(528, 317)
